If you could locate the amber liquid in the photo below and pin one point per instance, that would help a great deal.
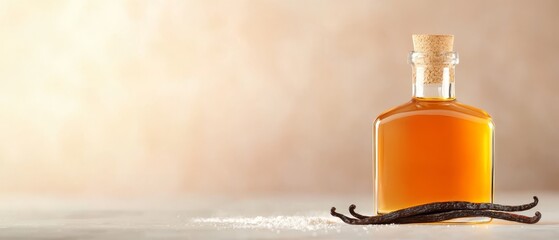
(431, 151)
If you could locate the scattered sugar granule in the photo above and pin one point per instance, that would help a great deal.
(273, 223)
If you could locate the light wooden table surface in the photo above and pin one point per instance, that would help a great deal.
(283, 217)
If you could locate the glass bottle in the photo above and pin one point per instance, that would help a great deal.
(433, 148)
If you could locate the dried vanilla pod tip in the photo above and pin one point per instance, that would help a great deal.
(442, 211)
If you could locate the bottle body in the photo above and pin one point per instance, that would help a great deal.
(431, 151)
(433, 148)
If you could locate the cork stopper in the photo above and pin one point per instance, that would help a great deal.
(435, 68)
(432, 43)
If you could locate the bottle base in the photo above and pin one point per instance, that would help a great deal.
(467, 220)
(457, 221)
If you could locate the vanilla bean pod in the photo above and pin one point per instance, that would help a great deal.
(448, 206)
(443, 216)
(438, 207)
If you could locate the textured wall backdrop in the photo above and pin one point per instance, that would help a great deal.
(234, 97)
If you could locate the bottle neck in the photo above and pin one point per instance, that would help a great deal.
(433, 76)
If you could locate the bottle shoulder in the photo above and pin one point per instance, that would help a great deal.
(447, 108)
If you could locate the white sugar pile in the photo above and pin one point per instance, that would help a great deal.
(273, 223)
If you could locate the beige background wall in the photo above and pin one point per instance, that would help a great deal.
(160, 98)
